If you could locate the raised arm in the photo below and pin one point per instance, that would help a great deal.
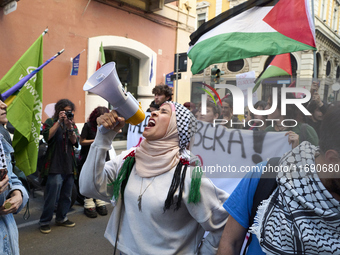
(96, 175)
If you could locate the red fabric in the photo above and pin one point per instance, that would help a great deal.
(184, 162)
(289, 17)
(98, 65)
(283, 61)
(132, 154)
(292, 85)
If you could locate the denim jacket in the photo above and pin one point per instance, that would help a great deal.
(9, 237)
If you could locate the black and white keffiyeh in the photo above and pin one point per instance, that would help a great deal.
(2, 155)
(301, 216)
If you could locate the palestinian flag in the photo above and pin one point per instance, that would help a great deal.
(279, 66)
(253, 28)
(101, 60)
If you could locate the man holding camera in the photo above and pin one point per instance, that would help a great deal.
(59, 171)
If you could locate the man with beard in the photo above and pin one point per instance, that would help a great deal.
(302, 214)
(162, 94)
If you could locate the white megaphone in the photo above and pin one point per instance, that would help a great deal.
(105, 83)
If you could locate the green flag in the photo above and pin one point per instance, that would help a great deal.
(25, 107)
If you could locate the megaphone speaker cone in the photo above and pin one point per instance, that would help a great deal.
(105, 83)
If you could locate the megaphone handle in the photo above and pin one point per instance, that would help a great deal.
(104, 130)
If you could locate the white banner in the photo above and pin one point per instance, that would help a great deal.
(244, 81)
(228, 154)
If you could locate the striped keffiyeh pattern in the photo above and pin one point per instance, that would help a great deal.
(301, 216)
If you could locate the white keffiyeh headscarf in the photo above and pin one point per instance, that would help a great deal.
(156, 157)
(301, 216)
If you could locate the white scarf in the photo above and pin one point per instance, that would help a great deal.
(157, 157)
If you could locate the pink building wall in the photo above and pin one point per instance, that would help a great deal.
(70, 28)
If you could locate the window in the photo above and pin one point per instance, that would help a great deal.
(202, 10)
(335, 19)
(127, 67)
(325, 93)
(323, 10)
(235, 66)
(328, 68)
(200, 19)
(318, 61)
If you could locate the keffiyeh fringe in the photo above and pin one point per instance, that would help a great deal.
(177, 182)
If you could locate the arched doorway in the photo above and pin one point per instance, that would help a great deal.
(134, 63)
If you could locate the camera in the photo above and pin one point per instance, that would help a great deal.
(69, 114)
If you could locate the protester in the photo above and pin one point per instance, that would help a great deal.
(257, 122)
(227, 113)
(191, 107)
(187, 105)
(212, 112)
(61, 134)
(153, 107)
(13, 195)
(315, 119)
(162, 93)
(317, 108)
(301, 118)
(296, 134)
(88, 133)
(302, 214)
(161, 207)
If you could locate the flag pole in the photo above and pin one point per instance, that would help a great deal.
(314, 51)
(45, 31)
(21, 83)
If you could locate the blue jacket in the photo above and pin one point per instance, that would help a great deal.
(9, 244)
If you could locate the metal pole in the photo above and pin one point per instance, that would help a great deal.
(314, 52)
(177, 59)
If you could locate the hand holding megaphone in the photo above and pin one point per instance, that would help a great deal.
(105, 83)
(111, 120)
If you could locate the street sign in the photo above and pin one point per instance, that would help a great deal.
(283, 82)
(168, 80)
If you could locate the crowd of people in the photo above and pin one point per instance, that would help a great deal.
(298, 129)
(163, 204)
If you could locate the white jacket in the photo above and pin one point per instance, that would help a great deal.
(153, 231)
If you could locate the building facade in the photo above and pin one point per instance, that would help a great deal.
(141, 36)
